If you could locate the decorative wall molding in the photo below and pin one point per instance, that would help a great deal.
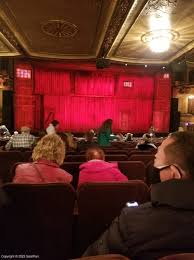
(10, 36)
(117, 20)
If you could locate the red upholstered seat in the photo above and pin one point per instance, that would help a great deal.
(108, 157)
(73, 169)
(134, 170)
(104, 257)
(38, 220)
(7, 160)
(100, 203)
(145, 158)
(184, 256)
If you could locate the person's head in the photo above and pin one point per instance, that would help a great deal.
(95, 153)
(107, 124)
(146, 138)
(89, 136)
(51, 148)
(176, 151)
(55, 123)
(25, 129)
(128, 137)
(69, 141)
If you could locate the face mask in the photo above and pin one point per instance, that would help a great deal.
(154, 176)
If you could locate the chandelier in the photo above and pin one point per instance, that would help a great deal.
(160, 34)
(159, 40)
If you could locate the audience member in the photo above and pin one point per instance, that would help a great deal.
(165, 225)
(146, 143)
(4, 132)
(48, 154)
(21, 141)
(97, 170)
(70, 143)
(128, 137)
(53, 127)
(151, 131)
(88, 141)
(104, 133)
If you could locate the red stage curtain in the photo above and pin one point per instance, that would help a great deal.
(161, 106)
(81, 100)
(52, 82)
(95, 84)
(80, 113)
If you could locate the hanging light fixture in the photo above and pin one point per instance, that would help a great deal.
(160, 34)
(159, 40)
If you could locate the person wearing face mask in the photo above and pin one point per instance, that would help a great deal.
(164, 225)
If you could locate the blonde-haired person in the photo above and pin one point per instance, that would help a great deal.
(47, 156)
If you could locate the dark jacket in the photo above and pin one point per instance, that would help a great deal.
(151, 230)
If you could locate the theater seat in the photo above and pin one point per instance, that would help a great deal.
(108, 157)
(145, 158)
(38, 220)
(73, 169)
(134, 170)
(7, 160)
(184, 256)
(104, 257)
(100, 203)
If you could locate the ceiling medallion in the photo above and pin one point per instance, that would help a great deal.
(159, 40)
(59, 29)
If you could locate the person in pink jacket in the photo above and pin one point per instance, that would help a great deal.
(47, 156)
(97, 170)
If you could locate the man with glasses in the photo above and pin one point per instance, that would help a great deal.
(165, 225)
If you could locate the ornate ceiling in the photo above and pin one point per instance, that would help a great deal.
(88, 29)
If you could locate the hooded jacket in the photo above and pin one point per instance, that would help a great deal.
(100, 171)
(158, 228)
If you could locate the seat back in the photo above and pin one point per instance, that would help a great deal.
(117, 151)
(73, 169)
(134, 170)
(27, 156)
(75, 158)
(98, 207)
(184, 256)
(38, 220)
(137, 151)
(108, 157)
(104, 257)
(145, 158)
(116, 157)
(7, 160)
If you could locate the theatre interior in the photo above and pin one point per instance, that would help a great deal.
(81, 62)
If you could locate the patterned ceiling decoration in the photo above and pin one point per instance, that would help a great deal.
(92, 29)
(59, 28)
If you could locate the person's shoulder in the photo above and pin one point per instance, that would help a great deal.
(23, 165)
(25, 168)
(50, 129)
